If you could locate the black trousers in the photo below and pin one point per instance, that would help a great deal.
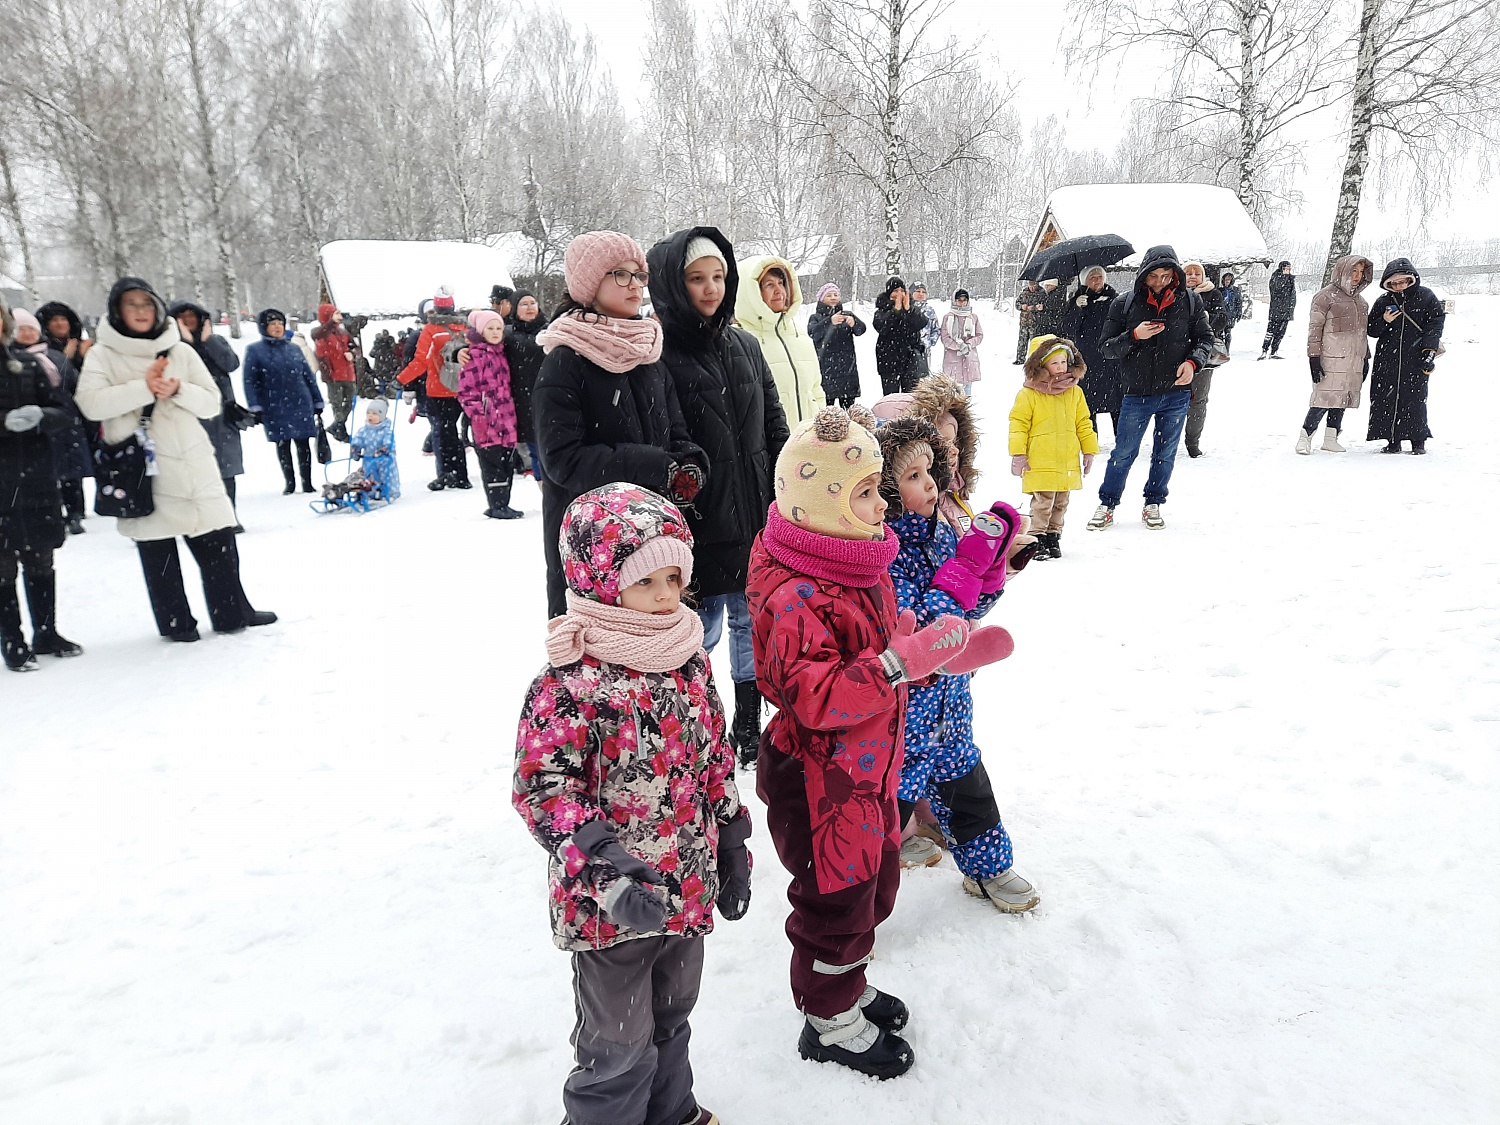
(72, 497)
(304, 461)
(444, 414)
(1315, 415)
(497, 468)
(846, 401)
(1275, 330)
(41, 592)
(218, 562)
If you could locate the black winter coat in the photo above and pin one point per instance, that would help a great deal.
(1398, 389)
(594, 427)
(1049, 320)
(30, 505)
(1083, 323)
(901, 350)
(72, 454)
(1149, 367)
(1213, 305)
(835, 344)
(729, 402)
(218, 356)
(75, 326)
(1283, 296)
(525, 357)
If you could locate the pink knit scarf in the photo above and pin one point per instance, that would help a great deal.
(849, 562)
(615, 345)
(646, 642)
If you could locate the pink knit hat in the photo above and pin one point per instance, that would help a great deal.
(590, 256)
(480, 317)
(24, 319)
(827, 289)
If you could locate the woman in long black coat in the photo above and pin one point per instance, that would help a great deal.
(1407, 321)
(901, 351)
(196, 325)
(835, 343)
(31, 519)
(1083, 322)
(729, 402)
(525, 356)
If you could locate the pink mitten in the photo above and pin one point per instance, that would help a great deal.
(985, 646)
(1004, 523)
(980, 549)
(917, 653)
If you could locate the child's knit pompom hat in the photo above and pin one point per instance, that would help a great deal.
(590, 256)
(820, 464)
(614, 536)
(902, 441)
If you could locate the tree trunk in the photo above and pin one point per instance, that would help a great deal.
(227, 277)
(1249, 94)
(891, 188)
(1361, 121)
(17, 220)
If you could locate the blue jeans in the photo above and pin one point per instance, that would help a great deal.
(741, 652)
(1170, 411)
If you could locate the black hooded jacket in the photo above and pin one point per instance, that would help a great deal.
(900, 351)
(1398, 384)
(1283, 295)
(835, 344)
(524, 355)
(53, 309)
(729, 402)
(1149, 367)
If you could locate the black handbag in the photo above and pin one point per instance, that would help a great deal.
(325, 454)
(123, 472)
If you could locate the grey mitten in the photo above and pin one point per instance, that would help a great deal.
(734, 869)
(23, 418)
(631, 904)
(597, 840)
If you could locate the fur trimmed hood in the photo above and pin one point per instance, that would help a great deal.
(895, 438)
(937, 395)
(1034, 375)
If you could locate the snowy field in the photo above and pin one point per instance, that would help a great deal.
(1250, 761)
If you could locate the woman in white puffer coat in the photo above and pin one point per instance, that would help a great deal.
(139, 360)
(766, 306)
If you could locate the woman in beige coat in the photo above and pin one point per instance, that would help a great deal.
(139, 360)
(1338, 351)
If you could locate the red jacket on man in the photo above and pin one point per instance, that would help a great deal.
(428, 358)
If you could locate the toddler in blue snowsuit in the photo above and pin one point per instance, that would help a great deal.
(375, 443)
(938, 572)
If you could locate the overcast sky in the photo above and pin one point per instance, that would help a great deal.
(1028, 42)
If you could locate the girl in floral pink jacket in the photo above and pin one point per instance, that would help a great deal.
(625, 777)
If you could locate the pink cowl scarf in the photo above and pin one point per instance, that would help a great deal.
(849, 562)
(616, 345)
(645, 642)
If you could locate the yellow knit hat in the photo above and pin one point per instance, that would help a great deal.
(819, 465)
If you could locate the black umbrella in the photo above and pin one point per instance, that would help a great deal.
(1072, 256)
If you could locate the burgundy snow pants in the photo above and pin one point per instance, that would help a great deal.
(831, 934)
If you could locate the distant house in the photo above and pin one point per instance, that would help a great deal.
(12, 290)
(1201, 222)
(388, 278)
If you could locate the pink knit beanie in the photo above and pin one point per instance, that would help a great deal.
(590, 256)
(827, 289)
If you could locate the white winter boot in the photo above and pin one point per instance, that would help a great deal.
(919, 851)
(1331, 441)
(1304, 442)
(1007, 892)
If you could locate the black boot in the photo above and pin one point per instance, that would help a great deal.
(1418, 448)
(284, 455)
(338, 433)
(1392, 447)
(13, 648)
(304, 464)
(1054, 544)
(41, 596)
(889, 1056)
(885, 1011)
(1043, 547)
(745, 733)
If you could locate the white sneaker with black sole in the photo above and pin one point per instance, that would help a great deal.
(1151, 517)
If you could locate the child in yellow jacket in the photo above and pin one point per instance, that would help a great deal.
(1049, 430)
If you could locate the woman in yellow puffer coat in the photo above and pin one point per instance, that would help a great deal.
(766, 307)
(1049, 432)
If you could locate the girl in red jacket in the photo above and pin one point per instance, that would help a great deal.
(832, 657)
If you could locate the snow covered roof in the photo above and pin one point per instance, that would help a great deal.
(381, 277)
(1201, 222)
(806, 253)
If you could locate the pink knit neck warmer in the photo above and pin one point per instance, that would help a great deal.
(849, 562)
(645, 642)
(615, 345)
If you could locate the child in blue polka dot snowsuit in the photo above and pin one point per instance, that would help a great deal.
(942, 760)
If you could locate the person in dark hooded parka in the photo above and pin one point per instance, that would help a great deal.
(1406, 320)
(197, 328)
(730, 404)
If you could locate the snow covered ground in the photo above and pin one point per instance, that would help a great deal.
(1250, 762)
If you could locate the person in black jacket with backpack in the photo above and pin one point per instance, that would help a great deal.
(1160, 333)
(729, 402)
(604, 408)
(1283, 305)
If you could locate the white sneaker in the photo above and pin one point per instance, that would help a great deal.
(1304, 442)
(1103, 516)
(1007, 892)
(919, 851)
(1151, 517)
(1331, 441)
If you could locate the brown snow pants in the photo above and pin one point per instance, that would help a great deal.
(1047, 510)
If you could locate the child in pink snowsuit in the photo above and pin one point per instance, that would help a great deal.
(484, 393)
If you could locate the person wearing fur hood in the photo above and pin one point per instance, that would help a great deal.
(1338, 350)
(1050, 432)
(961, 334)
(945, 404)
(937, 572)
(766, 306)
